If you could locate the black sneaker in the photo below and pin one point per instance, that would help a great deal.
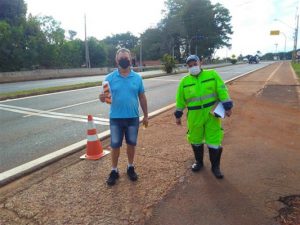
(113, 176)
(132, 174)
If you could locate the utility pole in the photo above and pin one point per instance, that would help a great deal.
(276, 54)
(284, 57)
(296, 38)
(87, 55)
(141, 57)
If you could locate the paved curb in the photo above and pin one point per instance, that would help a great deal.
(24, 169)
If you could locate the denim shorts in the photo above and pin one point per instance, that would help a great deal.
(120, 127)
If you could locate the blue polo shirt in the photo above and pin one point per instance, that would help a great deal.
(125, 92)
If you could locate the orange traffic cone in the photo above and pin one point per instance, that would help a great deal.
(93, 148)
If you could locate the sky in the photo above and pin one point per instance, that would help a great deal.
(252, 20)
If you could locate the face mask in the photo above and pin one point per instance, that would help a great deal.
(195, 70)
(124, 63)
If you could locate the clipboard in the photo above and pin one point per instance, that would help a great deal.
(219, 110)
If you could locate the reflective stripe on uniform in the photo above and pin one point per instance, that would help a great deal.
(229, 100)
(213, 146)
(188, 85)
(201, 98)
(179, 109)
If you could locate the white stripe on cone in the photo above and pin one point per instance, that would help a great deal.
(91, 125)
(92, 137)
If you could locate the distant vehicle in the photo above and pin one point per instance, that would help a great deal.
(253, 59)
(245, 60)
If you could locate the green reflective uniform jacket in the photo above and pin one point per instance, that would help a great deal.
(199, 94)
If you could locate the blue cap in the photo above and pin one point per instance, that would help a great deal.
(192, 58)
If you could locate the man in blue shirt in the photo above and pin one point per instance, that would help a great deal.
(127, 91)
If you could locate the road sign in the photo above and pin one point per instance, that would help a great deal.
(274, 32)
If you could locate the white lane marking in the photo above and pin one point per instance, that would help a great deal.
(164, 79)
(54, 93)
(37, 112)
(33, 112)
(269, 78)
(273, 73)
(65, 107)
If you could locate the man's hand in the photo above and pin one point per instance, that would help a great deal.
(145, 121)
(178, 121)
(228, 113)
(102, 97)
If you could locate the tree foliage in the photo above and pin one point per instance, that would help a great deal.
(197, 26)
(169, 63)
(13, 11)
(188, 26)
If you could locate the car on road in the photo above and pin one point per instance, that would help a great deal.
(253, 59)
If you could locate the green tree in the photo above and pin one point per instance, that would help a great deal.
(13, 11)
(12, 43)
(35, 42)
(6, 56)
(72, 54)
(55, 37)
(124, 40)
(98, 54)
(151, 42)
(72, 34)
(114, 42)
(197, 25)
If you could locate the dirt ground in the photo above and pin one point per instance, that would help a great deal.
(260, 162)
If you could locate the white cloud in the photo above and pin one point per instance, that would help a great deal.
(252, 20)
(103, 17)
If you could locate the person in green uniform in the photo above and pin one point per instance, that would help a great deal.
(200, 91)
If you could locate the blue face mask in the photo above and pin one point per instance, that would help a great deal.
(195, 70)
(124, 63)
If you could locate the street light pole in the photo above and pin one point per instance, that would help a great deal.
(141, 57)
(295, 39)
(295, 36)
(276, 44)
(87, 55)
(284, 45)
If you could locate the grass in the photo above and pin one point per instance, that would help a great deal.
(39, 91)
(296, 67)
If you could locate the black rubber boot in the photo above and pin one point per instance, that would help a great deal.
(198, 152)
(215, 158)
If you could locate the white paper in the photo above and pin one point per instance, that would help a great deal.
(219, 110)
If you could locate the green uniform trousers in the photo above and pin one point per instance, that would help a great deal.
(204, 127)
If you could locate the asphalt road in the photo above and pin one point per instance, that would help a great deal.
(29, 85)
(34, 126)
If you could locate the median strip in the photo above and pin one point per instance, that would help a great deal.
(40, 91)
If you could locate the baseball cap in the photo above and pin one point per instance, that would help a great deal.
(192, 58)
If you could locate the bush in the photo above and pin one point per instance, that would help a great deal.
(233, 61)
(169, 63)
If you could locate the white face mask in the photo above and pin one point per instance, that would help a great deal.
(195, 70)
